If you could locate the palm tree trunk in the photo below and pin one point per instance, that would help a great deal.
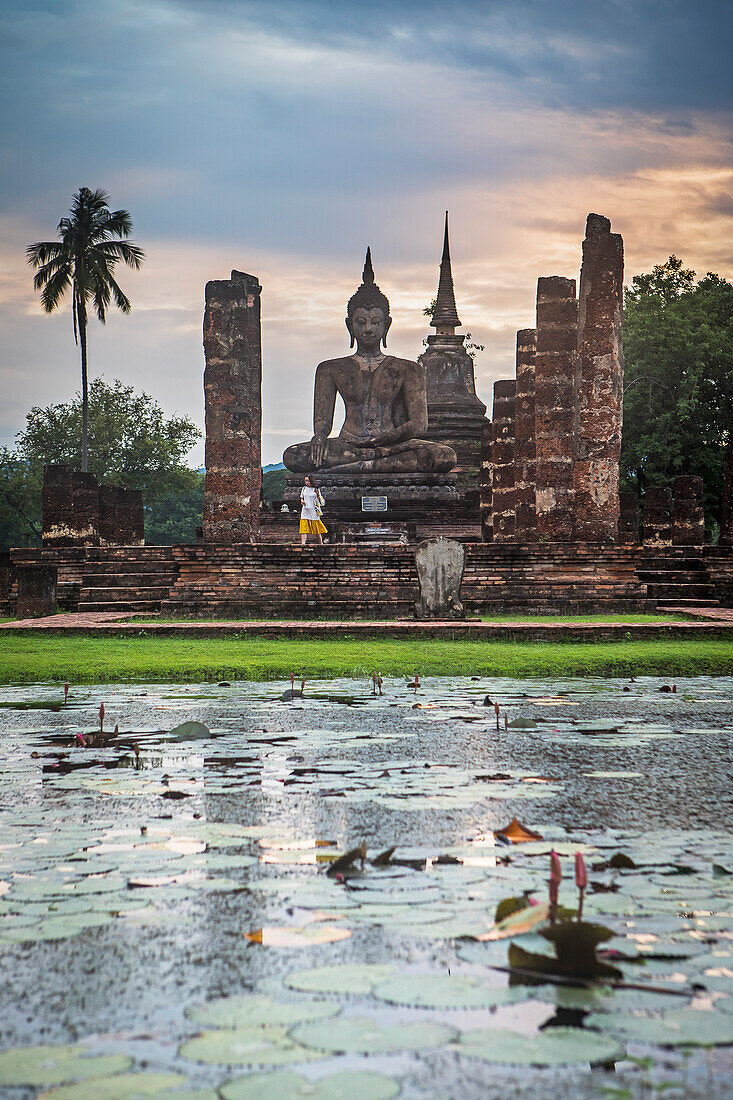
(82, 314)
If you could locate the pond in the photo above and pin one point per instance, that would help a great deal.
(169, 925)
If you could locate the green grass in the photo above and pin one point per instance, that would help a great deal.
(82, 659)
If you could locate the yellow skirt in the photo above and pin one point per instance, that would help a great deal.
(312, 527)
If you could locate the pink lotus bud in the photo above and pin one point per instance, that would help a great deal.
(581, 871)
(555, 868)
(66, 692)
(80, 739)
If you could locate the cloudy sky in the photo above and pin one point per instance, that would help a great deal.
(281, 137)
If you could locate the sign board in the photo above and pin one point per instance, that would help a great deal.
(374, 504)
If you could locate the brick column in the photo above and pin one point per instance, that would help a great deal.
(628, 520)
(487, 525)
(726, 515)
(121, 517)
(233, 398)
(688, 528)
(555, 390)
(84, 519)
(58, 526)
(525, 529)
(502, 460)
(657, 516)
(600, 391)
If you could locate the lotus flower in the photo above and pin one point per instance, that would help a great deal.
(555, 877)
(66, 694)
(581, 880)
(80, 740)
(101, 716)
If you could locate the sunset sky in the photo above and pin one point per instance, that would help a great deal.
(281, 138)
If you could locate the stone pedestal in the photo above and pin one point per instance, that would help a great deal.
(555, 391)
(525, 514)
(628, 520)
(502, 461)
(455, 414)
(688, 526)
(657, 521)
(600, 389)
(36, 590)
(233, 398)
(410, 497)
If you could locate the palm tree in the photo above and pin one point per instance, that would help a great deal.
(83, 261)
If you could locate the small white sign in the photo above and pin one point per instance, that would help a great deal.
(374, 504)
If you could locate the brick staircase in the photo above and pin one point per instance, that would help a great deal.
(127, 578)
(678, 576)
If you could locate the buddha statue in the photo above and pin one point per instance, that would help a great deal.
(384, 397)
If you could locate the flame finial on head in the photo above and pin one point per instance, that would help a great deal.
(368, 296)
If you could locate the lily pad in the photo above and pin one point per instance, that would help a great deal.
(49, 1065)
(442, 991)
(555, 1047)
(252, 1010)
(128, 1086)
(363, 1035)
(354, 978)
(246, 1046)
(283, 1085)
(686, 1027)
(306, 936)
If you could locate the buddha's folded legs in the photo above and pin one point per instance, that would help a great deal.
(410, 456)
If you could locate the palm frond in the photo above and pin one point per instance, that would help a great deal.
(130, 254)
(56, 287)
(121, 300)
(43, 251)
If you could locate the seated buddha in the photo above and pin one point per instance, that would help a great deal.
(384, 397)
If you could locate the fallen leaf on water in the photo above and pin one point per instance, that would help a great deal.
(516, 833)
(518, 924)
(297, 937)
(345, 862)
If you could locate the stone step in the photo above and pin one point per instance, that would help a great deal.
(130, 580)
(675, 591)
(122, 593)
(686, 602)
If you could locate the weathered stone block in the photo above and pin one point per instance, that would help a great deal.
(233, 400)
(600, 389)
(657, 521)
(36, 590)
(628, 521)
(440, 564)
(688, 517)
(58, 528)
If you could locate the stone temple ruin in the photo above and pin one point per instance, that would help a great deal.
(532, 493)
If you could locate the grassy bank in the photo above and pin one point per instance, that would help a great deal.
(80, 659)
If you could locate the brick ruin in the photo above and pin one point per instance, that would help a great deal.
(233, 409)
(554, 452)
(77, 511)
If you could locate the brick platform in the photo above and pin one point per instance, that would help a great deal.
(380, 582)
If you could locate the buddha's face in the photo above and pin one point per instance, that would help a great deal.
(368, 326)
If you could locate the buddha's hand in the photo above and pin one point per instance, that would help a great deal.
(319, 450)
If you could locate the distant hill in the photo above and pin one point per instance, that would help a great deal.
(273, 466)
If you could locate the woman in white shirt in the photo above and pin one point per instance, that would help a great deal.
(311, 511)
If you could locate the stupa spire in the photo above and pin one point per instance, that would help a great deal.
(445, 315)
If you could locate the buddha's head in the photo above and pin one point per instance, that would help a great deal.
(367, 314)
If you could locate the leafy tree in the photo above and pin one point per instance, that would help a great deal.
(273, 484)
(678, 387)
(83, 262)
(131, 442)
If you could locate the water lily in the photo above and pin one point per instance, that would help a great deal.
(581, 880)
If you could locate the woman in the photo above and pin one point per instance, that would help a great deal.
(311, 511)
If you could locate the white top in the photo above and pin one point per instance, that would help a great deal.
(309, 498)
